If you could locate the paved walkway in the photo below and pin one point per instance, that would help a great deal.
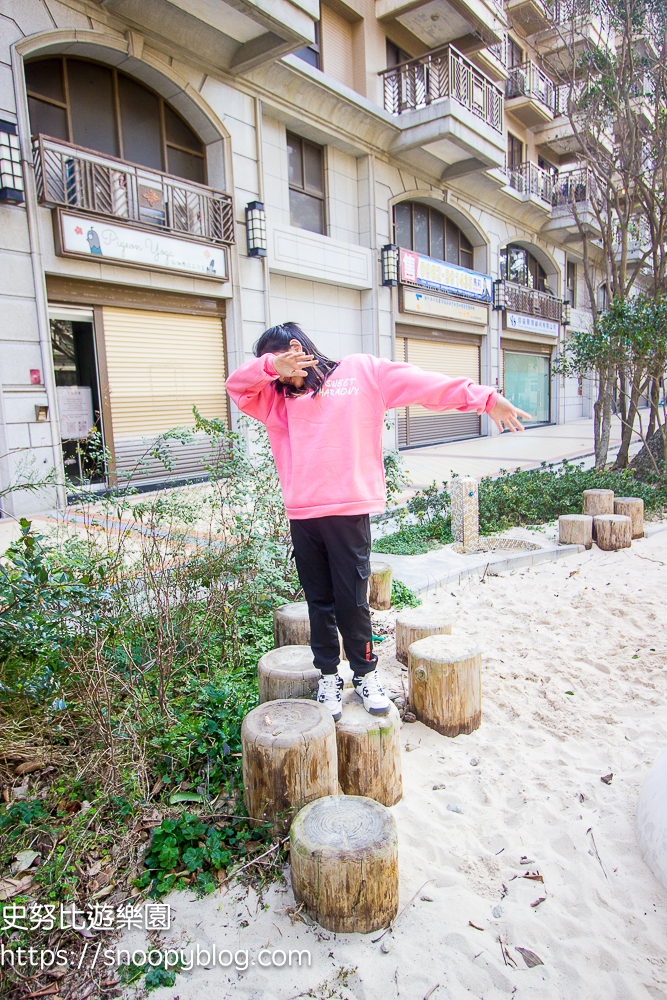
(488, 456)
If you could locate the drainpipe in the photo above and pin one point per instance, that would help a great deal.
(39, 280)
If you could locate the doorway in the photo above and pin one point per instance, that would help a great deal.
(528, 383)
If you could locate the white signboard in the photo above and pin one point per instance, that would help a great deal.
(75, 406)
(434, 305)
(417, 269)
(532, 324)
(103, 240)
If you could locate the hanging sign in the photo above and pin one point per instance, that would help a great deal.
(75, 408)
(532, 324)
(416, 269)
(435, 305)
(103, 240)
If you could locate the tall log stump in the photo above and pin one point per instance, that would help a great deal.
(344, 863)
(291, 626)
(598, 502)
(632, 507)
(289, 758)
(379, 587)
(369, 752)
(612, 531)
(575, 529)
(287, 672)
(418, 623)
(445, 678)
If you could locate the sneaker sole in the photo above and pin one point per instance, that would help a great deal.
(379, 711)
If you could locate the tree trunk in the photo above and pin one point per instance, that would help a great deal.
(612, 531)
(369, 752)
(655, 399)
(287, 672)
(446, 683)
(605, 422)
(628, 426)
(344, 863)
(417, 623)
(289, 758)
(379, 587)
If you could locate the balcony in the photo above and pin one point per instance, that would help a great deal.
(448, 107)
(573, 199)
(80, 179)
(531, 97)
(575, 28)
(532, 184)
(519, 298)
(493, 61)
(530, 16)
(480, 20)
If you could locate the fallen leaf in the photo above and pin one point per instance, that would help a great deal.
(29, 766)
(94, 869)
(24, 860)
(538, 901)
(157, 787)
(607, 778)
(12, 887)
(535, 878)
(529, 957)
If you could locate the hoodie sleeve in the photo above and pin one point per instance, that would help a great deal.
(251, 387)
(402, 384)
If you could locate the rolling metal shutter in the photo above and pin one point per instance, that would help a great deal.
(337, 46)
(416, 424)
(160, 365)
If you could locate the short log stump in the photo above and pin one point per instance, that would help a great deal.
(632, 507)
(291, 626)
(445, 677)
(369, 752)
(612, 531)
(418, 623)
(575, 529)
(344, 863)
(379, 587)
(287, 672)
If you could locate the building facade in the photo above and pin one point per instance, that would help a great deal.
(395, 176)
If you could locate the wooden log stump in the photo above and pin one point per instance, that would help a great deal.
(418, 623)
(289, 758)
(344, 863)
(598, 502)
(575, 529)
(369, 752)
(612, 531)
(287, 672)
(379, 587)
(632, 507)
(291, 627)
(445, 678)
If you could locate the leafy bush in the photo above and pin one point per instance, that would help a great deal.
(413, 540)
(402, 596)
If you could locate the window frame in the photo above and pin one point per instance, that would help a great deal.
(571, 283)
(445, 219)
(315, 47)
(512, 142)
(322, 197)
(165, 145)
(540, 275)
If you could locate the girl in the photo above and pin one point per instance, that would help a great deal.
(324, 420)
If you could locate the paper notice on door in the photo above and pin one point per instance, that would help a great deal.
(75, 406)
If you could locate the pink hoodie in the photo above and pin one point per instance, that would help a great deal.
(328, 447)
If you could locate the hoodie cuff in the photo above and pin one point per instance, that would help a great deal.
(491, 401)
(269, 367)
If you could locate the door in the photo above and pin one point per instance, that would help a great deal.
(418, 425)
(527, 383)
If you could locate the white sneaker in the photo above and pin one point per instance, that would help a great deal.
(328, 694)
(370, 691)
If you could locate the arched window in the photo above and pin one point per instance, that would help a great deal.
(426, 230)
(98, 107)
(518, 265)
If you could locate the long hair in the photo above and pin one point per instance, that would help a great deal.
(277, 339)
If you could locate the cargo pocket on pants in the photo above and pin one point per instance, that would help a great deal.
(363, 575)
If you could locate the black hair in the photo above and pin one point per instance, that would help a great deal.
(277, 339)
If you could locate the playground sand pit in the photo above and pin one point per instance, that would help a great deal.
(513, 850)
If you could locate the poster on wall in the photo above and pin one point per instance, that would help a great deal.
(416, 269)
(435, 305)
(105, 240)
(75, 408)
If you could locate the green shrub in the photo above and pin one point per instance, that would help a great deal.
(402, 596)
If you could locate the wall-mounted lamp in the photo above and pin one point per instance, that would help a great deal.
(41, 414)
(566, 313)
(389, 261)
(255, 222)
(11, 175)
(499, 301)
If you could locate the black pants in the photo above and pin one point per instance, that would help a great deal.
(333, 561)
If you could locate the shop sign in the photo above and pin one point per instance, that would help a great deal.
(434, 305)
(416, 269)
(532, 324)
(75, 409)
(105, 240)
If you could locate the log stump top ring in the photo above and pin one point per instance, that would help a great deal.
(355, 719)
(298, 610)
(444, 648)
(284, 723)
(287, 659)
(425, 618)
(349, 825)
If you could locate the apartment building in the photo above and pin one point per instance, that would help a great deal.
(394, 175)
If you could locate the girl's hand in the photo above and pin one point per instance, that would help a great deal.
(293, 362)
(504, 415)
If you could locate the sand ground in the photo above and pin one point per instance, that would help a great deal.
(574, 685)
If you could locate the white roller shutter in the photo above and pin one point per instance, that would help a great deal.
(160, 365)
(416, 424)
(337, 46)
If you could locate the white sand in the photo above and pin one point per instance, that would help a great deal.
(593, 624)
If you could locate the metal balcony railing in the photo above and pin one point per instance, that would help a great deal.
(570, 186)
(79, 178)
(439, 74)
(528, 80)
(521, 299)
(528, 178)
